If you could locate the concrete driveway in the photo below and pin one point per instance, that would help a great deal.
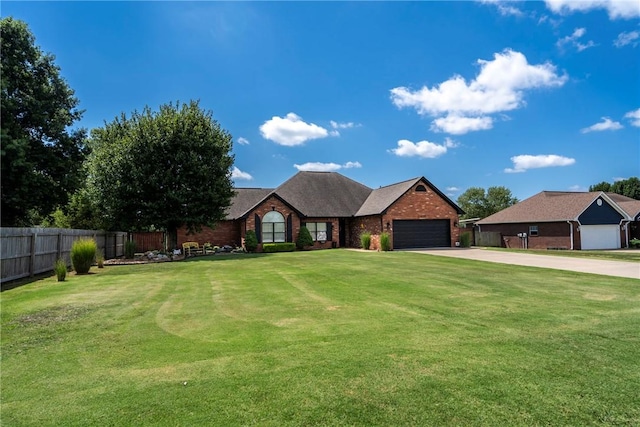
(582, 265)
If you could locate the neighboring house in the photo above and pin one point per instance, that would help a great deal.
(567, 220)
(336, 210)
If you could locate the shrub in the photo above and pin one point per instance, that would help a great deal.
(278, 247)
(385, 242)
(100, 258)
(60, 267)
(634, 243)
(129, 249)
(251, 241)
(304, 238)
(83, 253)
(365, 240)
(465, 240)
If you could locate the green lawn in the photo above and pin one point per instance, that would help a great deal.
(330, 337)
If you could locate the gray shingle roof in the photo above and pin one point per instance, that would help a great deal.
(323, 194)
(546, 206)
(381, 198)
(245, 199)
(327, 194)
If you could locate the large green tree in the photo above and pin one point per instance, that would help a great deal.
(41, 157)
(480, 204)
(629, 187)
(161, 170)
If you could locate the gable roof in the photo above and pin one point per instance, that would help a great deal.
(550, 206)
(245, 199)
(629, 205)
(380, 199)
(323, 194)
(327, 194)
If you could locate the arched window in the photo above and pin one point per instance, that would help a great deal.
(421, 188)
(273, 227)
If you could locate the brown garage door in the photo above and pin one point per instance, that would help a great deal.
(421, 233)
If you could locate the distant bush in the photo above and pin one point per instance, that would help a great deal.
(129, 249)
(100, 258)
(251, 241)
(385, 242)
(60, 267)
(365, 240)
(304, 238)
(634, 243)
(83, 253)
(465, 240)
(278, 247)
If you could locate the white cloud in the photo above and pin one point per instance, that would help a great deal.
(350, 165)
(450, 143)
(424, 149)
(525, 161)
(605, 124)
(498, 87)
(624, 39)
(325, 167)
(573, 40)
(634, 116)
(624, 9)
(506, 8)
(453, 189)
(578, 188)
(243, 141)
(618, 178)
(457, 125)
(291, 130)
(238, 174)
(347, 125)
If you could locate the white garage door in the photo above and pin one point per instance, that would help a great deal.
(600, 236)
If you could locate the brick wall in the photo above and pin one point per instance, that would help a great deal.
(372, 224)
(224, 233)
(422, 205)
(550, 235)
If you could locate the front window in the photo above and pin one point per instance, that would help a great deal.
(533, 230)
(273, 228)
(318, 231)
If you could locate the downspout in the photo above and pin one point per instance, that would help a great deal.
(571, 233)
(626, 231)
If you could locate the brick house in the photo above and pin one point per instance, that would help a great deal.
(336, 210)
(567, 220)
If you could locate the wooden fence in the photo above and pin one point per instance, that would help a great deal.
(25, 252)
(148, 241)
(488, 238)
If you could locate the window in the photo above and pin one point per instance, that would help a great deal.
(533, 230)
(421, 188)
(318, 231)
(273, 228)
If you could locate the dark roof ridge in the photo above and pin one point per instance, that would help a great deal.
(398, 183)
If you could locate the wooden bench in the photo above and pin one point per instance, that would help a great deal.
(192, 249)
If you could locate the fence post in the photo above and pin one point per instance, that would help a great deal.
(59, 248)
(32, 259)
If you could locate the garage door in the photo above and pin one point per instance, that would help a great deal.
(421, 233)
(600, 236)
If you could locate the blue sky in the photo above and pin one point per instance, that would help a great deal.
(529, 95)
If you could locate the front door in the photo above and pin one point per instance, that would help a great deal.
(341, 233)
